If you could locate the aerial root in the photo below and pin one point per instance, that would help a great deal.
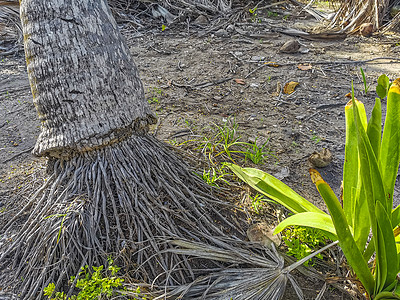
(129, 200)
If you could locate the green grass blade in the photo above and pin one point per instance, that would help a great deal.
(346, 240)
(310, 219)
(274, 189)
(390, 154)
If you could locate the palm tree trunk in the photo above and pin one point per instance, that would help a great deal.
(84, 82)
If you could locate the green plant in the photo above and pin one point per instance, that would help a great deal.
(93, 285)
(302, 241)
(155, 94)
(226, 141)
(366, 88)
(253, 14)
(272, 14)
(257, 202)
(212, 176)
(369, 174)
(153, 100)
(315, 138)
(383, 86)
(255, 153)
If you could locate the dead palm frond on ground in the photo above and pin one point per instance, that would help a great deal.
(353, 13)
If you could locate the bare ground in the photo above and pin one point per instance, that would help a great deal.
(190, 80)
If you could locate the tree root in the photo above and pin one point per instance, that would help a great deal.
(127, 200)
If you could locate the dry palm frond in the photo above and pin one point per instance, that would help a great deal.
(267, 280)
(10, 28)
(353, 13)
(393, 25)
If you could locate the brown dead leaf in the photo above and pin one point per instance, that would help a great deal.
(272, 64)
(289, 87)
(278, 89)
(304, 67)
(239, 81)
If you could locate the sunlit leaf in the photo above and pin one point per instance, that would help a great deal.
(310, 219)
(343, 232)
(273, 188)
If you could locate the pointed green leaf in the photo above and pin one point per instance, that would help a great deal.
(396, 216)
(354, 204)
(273, 188)
(350, 167)
(390, 148)
(310, 219)
(343, 232)
(388, 253)
(374, 127)
(383, 86)
(377, 204)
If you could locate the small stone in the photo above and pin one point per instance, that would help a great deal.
(292, 46)
(282, 174)
(321, 159)
(257, 58)
(230, 28)
(222, 33)
(201, 20)
(366, 29)
(263, 233)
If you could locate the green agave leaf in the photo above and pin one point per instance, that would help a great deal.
(273, 188)
(396, 216)
(354, 203)
(388, 296)
(350, 167)
(374, 127)
(390, 149)
(383, 86)
(346, 240)
(388, 255)
(378, 206)
(310, 219)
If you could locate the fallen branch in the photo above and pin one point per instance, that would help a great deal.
(17, 155)
(344, 62)
(203, 84)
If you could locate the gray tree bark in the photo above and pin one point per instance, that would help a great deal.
(84, 82)
(119, 190)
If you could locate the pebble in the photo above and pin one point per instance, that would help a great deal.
(201, 20)
(263, 233)
(292, 46)
(366, 29)
(257, 58)
(230, 28)
(221, 33)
